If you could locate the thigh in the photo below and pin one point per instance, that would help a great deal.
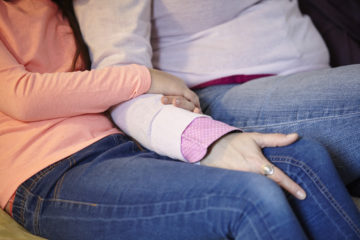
(323, 105)
(328, 205)
(124, 193)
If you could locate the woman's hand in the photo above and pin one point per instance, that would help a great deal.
(242, 151)
(174, 90)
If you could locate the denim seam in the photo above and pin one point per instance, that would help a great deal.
(243, 214)
(114, 205)
(26, 190)
(73, 202)
(36, 227)
(295, 122)
(327, 195)
(41, 200)
(241, 198)
(58, 186)
(22, 204)
(71, 162)
(39, 175)
(318, 183)
(115, 139)
(204, 210)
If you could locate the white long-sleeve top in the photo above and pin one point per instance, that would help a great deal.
(197, 41)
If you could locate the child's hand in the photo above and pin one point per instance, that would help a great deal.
(181, 102)
(173, 88)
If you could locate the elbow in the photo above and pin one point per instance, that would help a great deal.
(19, 103)
(23, 117)
(22, 110)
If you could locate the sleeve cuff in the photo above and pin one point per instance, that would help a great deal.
(199, 135)
(156, 126)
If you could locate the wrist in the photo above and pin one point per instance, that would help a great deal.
(216, 150)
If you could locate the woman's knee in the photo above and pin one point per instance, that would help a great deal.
(252, 202)
(305, 161)
(305, 153)
(252, 189)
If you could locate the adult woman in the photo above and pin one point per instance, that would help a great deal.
(215, 47)
(77, 177)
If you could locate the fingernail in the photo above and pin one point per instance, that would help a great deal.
(165, 100)
(177, 101)
(291, 134)
(301, 194)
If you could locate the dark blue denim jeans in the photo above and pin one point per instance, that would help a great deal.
(115, 190)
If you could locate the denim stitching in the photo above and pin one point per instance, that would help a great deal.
(71, 162)
(205, 210)
(26, 190)
(313, 176)
(72, 202)
(22, 209)
(295, 122)
(36, 227)
(38, 176)
(58, 186)
(240, 198)
(115, 139)
(138, 145)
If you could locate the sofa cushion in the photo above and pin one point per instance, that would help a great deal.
(11, 230)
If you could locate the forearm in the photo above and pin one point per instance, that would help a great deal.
(33, 96)
(156, 126)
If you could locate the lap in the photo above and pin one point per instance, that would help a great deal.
(141, 195)
(323, 105)
(281, 99)
(123, 191)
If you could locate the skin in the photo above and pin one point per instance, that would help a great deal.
(242, 152)
(174, 90)
(235, 151)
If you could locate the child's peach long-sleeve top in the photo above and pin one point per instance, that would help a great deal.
(46, 112)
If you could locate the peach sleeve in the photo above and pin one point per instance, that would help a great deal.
(29, 96)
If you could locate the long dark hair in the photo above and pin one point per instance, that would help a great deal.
(67, 8)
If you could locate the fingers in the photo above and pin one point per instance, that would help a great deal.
(181, 102)
(167, 84)
(278, 140)
(275, 139)
(241, 151)
(197, 110)
(192, 97)
(287, 183)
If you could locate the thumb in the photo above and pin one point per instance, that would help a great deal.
(275, 139)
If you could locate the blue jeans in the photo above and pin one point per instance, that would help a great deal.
(322, 105)
(115, 190)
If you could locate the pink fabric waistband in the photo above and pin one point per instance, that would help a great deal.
(231, 80)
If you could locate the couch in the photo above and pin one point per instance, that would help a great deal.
(11, 230)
